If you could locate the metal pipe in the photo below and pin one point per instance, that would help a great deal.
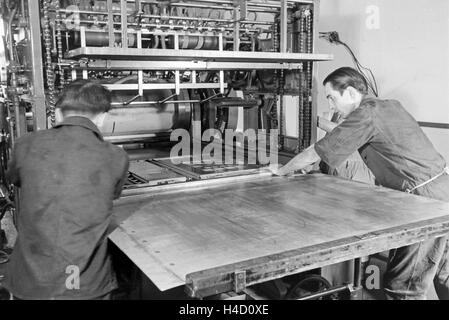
(124, 24)
(23, 8)
(111, 24)
(168, 98)
(187, 5)
(190, 5)
(205, 19)
(117, 105)
(11, 125)
(357, 272)
(152, 16)
(325, 293)
(10, 34)
(14, 84)
(211, 97)
(259, 4)
(131, 100)
(167, 26)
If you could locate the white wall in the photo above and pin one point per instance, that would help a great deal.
(408, 53)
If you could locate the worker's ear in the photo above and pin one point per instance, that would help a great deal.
(353, 92)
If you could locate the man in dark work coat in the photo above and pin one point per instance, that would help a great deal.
(68, 177)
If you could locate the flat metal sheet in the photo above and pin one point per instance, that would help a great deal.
(149, 171)
(206, 171)
(144, 173)
(170, 236)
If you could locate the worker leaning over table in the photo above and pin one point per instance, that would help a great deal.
(401, 157)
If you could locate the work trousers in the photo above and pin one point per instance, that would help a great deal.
(412, 269)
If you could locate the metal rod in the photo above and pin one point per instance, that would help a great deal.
(254, 3)
(140, 72)
(177, 82)
(357, 272)
(37, 76)
(83, 37)
(124, 11)
(168, 26)
(168, 98)
(14, 81)
(186, 5)
(237, 29)
(211, 97)
(283, 22)
(206, 19)
(116, 105)
(325, 293)
(131, 100)
(190, 5)
(222, 86)
(161, 86)
(22, 2)
(152, 16)
(111, 24)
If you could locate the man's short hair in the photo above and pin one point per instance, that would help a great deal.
(346, 77)
(84, 96)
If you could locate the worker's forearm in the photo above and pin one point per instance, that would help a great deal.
(302, 160)
(326, 125)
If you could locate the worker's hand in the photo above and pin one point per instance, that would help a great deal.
(307, 169)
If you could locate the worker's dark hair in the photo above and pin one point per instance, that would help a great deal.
(346, 77)
(84, 96)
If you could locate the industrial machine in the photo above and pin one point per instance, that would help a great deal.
(226, 66)
(236, 76)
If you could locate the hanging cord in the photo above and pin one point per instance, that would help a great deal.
(333, 37)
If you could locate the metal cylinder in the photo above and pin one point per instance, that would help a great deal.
(146, 119)
(99, 39)
(197, 42)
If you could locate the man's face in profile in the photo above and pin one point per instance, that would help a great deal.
(341, 103)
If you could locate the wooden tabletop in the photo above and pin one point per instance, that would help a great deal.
(225, 227)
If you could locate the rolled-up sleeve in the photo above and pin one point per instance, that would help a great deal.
(347, 138)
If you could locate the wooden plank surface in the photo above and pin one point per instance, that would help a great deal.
(170, 236)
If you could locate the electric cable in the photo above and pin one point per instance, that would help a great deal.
(367, 73)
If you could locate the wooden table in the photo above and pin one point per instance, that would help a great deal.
(225, 235)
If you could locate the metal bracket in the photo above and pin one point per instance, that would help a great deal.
(239, 281)
(131, 100)
(168, 98)
(355, 293)
(211, 97)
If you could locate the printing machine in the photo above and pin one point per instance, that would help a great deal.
(215, 68)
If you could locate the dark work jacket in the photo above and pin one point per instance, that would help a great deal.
(392, 145)
(68, 177)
